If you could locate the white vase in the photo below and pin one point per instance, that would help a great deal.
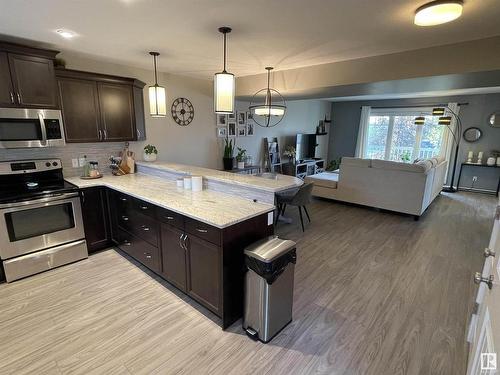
(491, 161)
(149, 157)
(241, 164)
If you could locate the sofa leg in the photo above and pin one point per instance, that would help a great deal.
(416, 217)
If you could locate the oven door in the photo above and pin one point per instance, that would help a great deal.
(34, 225)
(20, 128)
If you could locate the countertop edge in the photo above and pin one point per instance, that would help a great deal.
(98, 183)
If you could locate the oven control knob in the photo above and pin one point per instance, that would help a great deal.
(47, 164)
(54, 164)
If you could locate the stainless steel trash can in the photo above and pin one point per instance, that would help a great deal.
(268, 287)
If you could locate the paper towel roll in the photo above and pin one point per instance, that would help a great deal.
(187, 183)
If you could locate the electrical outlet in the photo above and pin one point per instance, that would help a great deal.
(474, 179)
(74, 163)
(81, 162)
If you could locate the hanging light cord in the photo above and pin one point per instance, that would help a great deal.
(156, 77)
(224, 71)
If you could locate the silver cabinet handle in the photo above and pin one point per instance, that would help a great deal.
(202, 230)
(489, 252)
(148, 255)
(19, 98)
(145, 228)
(478, 279)
(123, 199)
(184, 242)
(12, 97)
(125, 218)
(83, 197)
(138, 133)
(100, 134)
(126, 243)
(168, 217)
(144, 207)
(105, 134)
(180, 241)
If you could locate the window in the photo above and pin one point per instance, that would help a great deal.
(393, 135)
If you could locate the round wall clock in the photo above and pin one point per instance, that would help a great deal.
(182, 111)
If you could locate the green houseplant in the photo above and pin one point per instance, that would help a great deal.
(228, 158)
(240, 157)
(150, 153)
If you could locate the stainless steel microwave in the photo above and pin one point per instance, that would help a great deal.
(20, 128)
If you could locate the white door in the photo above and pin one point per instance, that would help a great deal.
(484, 329)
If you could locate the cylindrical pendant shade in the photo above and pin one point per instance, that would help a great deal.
(224, 88)
(157, 101)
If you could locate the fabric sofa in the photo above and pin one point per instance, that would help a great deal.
(394, 186)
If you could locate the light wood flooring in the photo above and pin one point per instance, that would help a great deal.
(375, 293)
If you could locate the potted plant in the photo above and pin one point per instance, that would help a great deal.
(150, 153)
(290, 154)
(228, 158)
(240, 157)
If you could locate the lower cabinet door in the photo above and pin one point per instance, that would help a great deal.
(205, 273)
(95, 218)
(173, 256)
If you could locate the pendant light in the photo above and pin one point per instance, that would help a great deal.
(271, 112)
(224, 86)
(157, 96)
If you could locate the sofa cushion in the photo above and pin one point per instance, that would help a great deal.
(324, 179)
(419, 167)
(356, 162)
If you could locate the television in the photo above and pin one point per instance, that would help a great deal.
(305, 146)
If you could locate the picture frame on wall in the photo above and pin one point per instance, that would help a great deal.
(250, 130)
(242, 131)
(221, 120)
(242, 118)
(222, 132)
(231, 129)
(249, 117)
(232, 116)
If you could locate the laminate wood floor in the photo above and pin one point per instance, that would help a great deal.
(375, 293)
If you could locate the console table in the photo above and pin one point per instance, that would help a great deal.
(480, 166)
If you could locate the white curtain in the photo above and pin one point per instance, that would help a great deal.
(448, 147)
(363, 132)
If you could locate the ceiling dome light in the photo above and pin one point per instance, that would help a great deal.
(438, 12)
(66, 34)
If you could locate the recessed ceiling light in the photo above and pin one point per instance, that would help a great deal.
(438, 12)
(67, 34)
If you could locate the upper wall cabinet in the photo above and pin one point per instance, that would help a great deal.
(101, 108)
(27, 77)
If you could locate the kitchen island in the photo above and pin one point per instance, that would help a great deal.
(194, 240)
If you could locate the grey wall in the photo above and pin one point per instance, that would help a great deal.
(345, 124)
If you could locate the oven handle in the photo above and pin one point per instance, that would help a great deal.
(53, 197)
(44, 141)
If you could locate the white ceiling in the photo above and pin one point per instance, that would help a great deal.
(281, 33)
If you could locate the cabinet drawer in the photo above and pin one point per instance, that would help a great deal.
(143, 207)
(140, 225)
(204, 231)
(140, 250)
(169, 217)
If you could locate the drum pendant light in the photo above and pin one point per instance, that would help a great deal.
(224, 86)
(157, 95)
(272, 111)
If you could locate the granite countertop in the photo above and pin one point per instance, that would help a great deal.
(278, 183)
(211, 207)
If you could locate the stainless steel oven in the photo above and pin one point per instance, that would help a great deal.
(23, 127)
(41, 233)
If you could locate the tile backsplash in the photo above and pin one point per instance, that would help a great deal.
(99, 152)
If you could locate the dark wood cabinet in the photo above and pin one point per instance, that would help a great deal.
(6, 88)
(117, 112)
(201, 260)
(204, 275)
(101, 108)
(80, 105)
(173, 256)
(33, 80)
(95, 218)
(27, 77)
